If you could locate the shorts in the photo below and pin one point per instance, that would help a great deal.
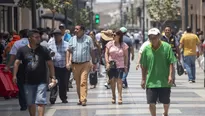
(161, 94)
(36, 94)
(115, 73)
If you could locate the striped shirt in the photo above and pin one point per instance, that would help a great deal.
(81, 48)
(59, 59)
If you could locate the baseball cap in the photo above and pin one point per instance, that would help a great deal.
(153, 31)
(123, 29)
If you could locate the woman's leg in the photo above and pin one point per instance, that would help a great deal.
(113, 86)
(119, 87)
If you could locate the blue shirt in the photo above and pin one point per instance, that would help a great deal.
(128, 41)
(81, 48)
(59, 59)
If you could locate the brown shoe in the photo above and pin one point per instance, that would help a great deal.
(79, 103)
(84, 104)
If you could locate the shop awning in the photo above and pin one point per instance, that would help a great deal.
(8, 2)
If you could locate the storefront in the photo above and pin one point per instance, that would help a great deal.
(8, 15)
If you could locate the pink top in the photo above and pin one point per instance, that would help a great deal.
(116, 53)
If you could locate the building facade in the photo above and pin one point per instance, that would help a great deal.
(196, 15)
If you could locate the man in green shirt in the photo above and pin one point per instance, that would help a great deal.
(157, 63)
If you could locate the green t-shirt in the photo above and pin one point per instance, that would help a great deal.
(157, 63)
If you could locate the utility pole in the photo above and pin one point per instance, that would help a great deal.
(33, 15)
(186, 14)
(143, 18)
(121, 14)
(132, 8)
(91, 15)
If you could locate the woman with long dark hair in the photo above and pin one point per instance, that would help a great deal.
(116, 56)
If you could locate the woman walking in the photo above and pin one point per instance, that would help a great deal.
(116, 56)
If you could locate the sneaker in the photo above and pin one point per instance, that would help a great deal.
(100, 75)
(190, 81)
(107, 86)
(193, 81)
(92, 87)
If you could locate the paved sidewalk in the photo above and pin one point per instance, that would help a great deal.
(186, 100)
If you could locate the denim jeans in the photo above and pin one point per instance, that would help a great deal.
(124, 79)
(189, 64)
(36, 94)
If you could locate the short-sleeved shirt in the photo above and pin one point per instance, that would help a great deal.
(128, 41)
(81, 48)
(189, 42)
(143, 46)
(59, 59)
(34, 62)
(18, 44)
(157, 63)
(116, 53)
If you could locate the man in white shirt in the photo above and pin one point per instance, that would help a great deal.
(140, 52)
(20, 78)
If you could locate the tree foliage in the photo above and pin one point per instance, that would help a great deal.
(162, 10)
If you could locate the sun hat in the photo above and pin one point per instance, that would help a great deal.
(107, 35)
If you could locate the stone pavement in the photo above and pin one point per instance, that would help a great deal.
(186, 100)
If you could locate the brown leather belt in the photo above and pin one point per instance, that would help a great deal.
(80, 62)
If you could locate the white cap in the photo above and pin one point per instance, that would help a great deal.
(153, 31)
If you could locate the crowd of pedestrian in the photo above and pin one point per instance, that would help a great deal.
(44, 59)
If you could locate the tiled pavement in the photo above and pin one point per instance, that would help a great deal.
(186, 100)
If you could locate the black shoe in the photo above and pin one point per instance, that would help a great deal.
(64, 101)
(52, 101)
(193, 81)
(23, 108)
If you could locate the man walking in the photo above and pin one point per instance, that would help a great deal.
(157, 63)
(59, 47)
(20, 75)
(79, 55)
(173, 41)
(34, 59)
(128, 41)
(189, 42)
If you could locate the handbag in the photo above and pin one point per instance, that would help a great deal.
(180, 69)
(113, 65)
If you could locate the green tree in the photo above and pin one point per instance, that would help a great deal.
(27, 3)
(56, 6)
(163, 10)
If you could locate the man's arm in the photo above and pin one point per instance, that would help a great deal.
(132, 52)
(68, 57)
(144, 73)
(11, 60)
(138, 61)
(51, 69)
(16, 67)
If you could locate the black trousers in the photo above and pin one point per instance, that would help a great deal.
(62, 77)
(20, 84)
